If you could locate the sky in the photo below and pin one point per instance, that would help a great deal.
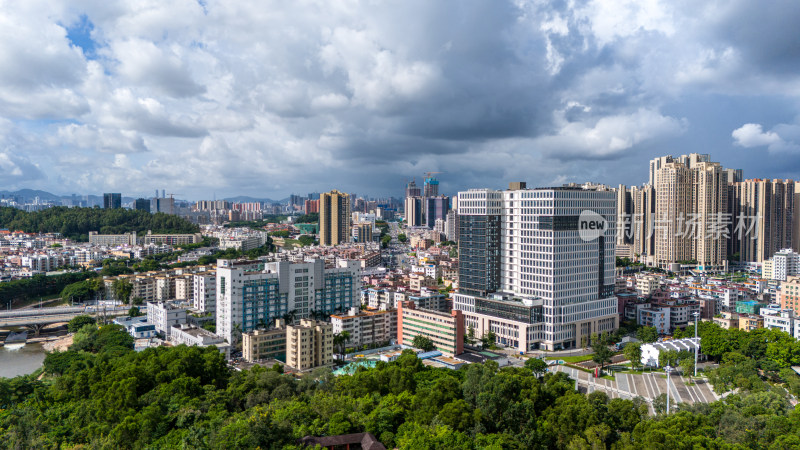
(266, 98)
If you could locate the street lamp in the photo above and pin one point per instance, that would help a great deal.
(696, 342)
(668, 369)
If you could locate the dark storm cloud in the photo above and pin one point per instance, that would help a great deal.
(266, 99)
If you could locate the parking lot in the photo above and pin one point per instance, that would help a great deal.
(648, 386)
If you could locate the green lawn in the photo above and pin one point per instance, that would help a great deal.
(574, 359)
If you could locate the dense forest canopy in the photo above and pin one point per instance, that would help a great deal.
(104, 395)
(76, 223)
(39, 285)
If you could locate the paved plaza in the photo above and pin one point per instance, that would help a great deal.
(648, 386)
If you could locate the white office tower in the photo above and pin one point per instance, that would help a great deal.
(252, 294)
(553, 256)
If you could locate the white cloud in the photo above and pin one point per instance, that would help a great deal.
(610, 135)
(753, 135)
(103, 139)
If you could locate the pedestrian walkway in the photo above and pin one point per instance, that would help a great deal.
(648, 386)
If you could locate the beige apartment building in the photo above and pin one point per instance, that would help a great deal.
(366, 327)
(309, 345)
(259, 345)
(691, 203)
(334, 218)
(445, 330)
(646, 285)
(770, 204)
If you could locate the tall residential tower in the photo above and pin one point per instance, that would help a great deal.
(334, 218)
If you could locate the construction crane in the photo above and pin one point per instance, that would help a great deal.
(428, 174)
(172, 196)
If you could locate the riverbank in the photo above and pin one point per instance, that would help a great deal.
(59, 344)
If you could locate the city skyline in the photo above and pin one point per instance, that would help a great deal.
(221, 98)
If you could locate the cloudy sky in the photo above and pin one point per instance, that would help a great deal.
(268, 98)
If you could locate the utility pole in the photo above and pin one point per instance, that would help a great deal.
(668, 369)
(696, 342)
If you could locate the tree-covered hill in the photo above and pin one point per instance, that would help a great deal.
(76, 223)
(101, 394)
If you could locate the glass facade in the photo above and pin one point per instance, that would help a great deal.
(337, 295)
(262, 303)
(478, 254)
(516, 311)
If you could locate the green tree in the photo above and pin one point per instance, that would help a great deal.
(469, 337)
(340, 340)
(488, 339)
(122, 289)
(687, 365)
(423, 343)
(668, 358)
(602, 354)
(633, 351)
(79, 322)
(402, 238)
(536, 365)
(134, 312)
(647, 334)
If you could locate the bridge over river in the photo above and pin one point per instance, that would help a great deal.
(36, 319)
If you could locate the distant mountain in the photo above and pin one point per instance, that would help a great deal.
(246, 199)
(28, 195)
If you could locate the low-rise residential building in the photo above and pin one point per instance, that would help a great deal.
(782, 265)
(727, 320)
(750, 322)
(655, 316)
(258, 345)
(172, 239)
(309, 345)
(418, 281)
(790, 294)
(779, 319)
(646, 285)
(138, 327)
(366, 327)
(164, 315)
(192, 335)
(243, 243)
(446, 331)
(112, 240)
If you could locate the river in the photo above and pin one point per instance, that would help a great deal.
(21, 361)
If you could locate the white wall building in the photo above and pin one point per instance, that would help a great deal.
(138, 327)
(783, 264)
(251, 294)
(366, 327)
(779, 319)
(204, 297)
(193, 336)
(650, 352)
(164, 316)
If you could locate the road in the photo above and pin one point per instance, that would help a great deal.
(648, 386)
(47, 316)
